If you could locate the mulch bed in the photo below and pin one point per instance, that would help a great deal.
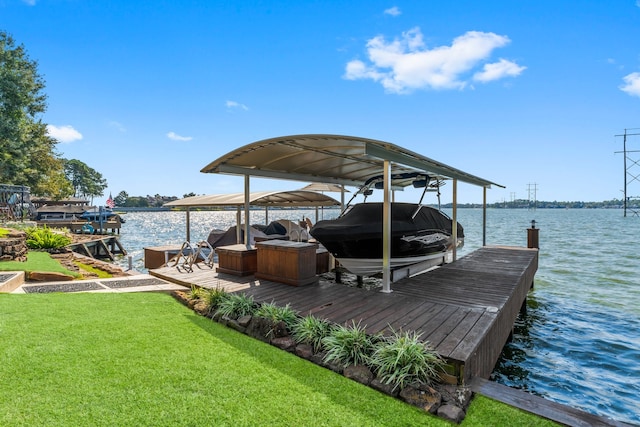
(62, 287)
(114, 284)
(5, 277)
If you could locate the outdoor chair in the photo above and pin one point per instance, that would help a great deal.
(205, 254)
(190, 255)
(183, 260)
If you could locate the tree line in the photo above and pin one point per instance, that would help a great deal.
(28, 154)
(124, 200)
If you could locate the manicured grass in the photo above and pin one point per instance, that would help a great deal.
(144, 359)
(91, 269)
(36, 261)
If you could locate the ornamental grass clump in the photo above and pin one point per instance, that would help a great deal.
(349, 345)
(196, 292)
(213, 297)
(46, 238)
(236, 305)
(311, 330)
(277, 314)
(402, 358)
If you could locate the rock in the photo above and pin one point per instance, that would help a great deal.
(384, 388)
(358, 373)
(318, 359)
(284, 343)
(41, 276)
(244, 321)
(279, 329)
(233, 324)
(259, 328)
(451, 413)
(422, 396)
(201, 307)
(304, 350)
(459, 396)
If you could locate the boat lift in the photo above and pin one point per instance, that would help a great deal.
(342, 160)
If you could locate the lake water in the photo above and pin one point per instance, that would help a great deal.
(579, 343)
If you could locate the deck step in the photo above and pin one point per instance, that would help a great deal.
(537, 405)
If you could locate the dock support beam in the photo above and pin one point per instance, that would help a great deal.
(386, 230)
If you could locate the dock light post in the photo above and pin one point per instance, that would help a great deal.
(533, 240)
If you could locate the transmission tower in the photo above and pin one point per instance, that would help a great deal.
(631, 171)
(532, 190)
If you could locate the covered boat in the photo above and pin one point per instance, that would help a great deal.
(419, 233)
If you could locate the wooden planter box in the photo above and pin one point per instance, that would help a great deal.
(292, 263)
(157, 256)
(322, 261)
(237, 260)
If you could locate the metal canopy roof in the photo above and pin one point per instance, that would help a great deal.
(338, 159)
(261, 198)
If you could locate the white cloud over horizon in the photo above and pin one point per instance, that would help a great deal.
(175, 137)
(632, 84)
(236, 105)
(63, 133)
(406, 64)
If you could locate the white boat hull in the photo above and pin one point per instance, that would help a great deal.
(370, 266)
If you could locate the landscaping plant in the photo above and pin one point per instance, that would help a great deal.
(195, 292)
(349, 345)
(311, 330)
(213, 297)
(402, 358)
(236, 305)
(277, 314)
(46, 238)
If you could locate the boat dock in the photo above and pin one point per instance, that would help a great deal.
(99, 247)
(465, 309)
(81, 226)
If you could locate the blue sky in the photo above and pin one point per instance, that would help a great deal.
(526, 94)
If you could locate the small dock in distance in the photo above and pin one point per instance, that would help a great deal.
(99, 247)
(465, 309)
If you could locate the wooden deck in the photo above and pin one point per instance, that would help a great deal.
(466, 309)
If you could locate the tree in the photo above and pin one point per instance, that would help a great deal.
(86, 182)
(121, 198)
(27, 153)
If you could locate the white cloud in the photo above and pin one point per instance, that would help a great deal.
(118, 126)
(632, 84)
(406, 64)
(395, 11)
(174, 136)
(498, 70)
(234, 105)
(63, 133)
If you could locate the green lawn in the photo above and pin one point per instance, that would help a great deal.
(143, 359)
(36, 261)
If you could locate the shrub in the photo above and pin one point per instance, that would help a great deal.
(348, 345)
(46, 238)
(236, 305)
(311, 330)
(402, 358)
(213, 297)
(196, 292)
(278, 314)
